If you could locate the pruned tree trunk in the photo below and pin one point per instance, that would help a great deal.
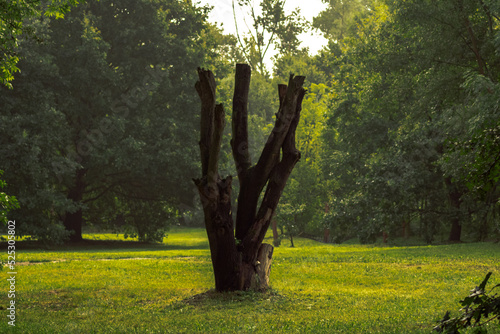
(240, 260)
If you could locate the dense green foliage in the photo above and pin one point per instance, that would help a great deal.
(399, 131)
(126, 287)
(411, 141)
(7, 203)
(95, 129)
(13, 17)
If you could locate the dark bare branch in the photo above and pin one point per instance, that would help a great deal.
(213, 160)
(275, 186)
(270, 153)
(282, 93)
(289, 142)
(206, 90)
(254, 181)
(239, 143)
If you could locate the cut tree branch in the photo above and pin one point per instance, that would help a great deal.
(277, 182)
(253, 182)
(213, 159)
(239, 143)
(284, 118)
(206, 90)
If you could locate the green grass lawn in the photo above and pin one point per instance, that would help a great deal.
(106, 286)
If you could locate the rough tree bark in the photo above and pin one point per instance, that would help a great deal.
(239, 258)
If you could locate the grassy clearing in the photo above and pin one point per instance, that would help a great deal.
(121, 287)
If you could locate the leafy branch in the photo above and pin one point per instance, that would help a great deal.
(479, 308)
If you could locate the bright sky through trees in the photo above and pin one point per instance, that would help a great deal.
(222, 12)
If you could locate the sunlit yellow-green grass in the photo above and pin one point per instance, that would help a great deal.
(125, 287)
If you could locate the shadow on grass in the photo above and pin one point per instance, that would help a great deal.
(212, 297)
(103, 245)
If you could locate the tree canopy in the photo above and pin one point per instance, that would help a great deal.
(95, 129)
(14, 18)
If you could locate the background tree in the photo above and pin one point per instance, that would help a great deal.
(400, 83)
(289, 220)
(339, 19)
(303, 199)
(7, 203)
(95, 125)
(267, 27)
(13, 18)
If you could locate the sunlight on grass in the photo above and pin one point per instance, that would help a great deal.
(105, 286)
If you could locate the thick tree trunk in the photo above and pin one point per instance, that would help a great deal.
(455, 197)
(239, 258)
(255, 276)
(73, 221)
(219, 225)
(456, 230)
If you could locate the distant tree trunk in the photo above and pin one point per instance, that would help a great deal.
(455, 197)
(275, 233)
(456, 230)
(326, 235)
(326, 232)
(405, 230)
(73, 224)
(239, 258)
(73, 221)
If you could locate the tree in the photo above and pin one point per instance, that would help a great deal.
(239, 258)
(288, 218)
(271, 27)
(339, 19)
(13, 16)
(7, 203)
(458, 53)
(96, 125)
(472, 152)
(400, 95)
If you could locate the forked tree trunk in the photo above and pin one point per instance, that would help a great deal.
(240, 260)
